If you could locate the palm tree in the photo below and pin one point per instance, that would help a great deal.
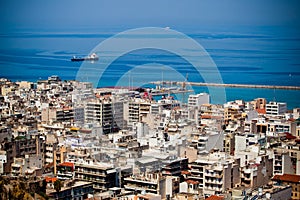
(57, 187)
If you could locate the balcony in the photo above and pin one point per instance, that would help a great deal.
(217, 189)
(246, 177)
(214, 181)
(196, 171)
(278, 163)
(140, 188)
(93, 173)
(247, 171)
(214, 175)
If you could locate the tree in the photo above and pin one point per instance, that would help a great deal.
(3, 191)
(17, 193)
(57, 186)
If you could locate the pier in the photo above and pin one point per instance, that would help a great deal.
(180, 83)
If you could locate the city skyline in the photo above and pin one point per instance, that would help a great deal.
(149, 100)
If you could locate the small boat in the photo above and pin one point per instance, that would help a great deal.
(91, 57)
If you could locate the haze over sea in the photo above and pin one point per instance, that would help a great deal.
(246, 55)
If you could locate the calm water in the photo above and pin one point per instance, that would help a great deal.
(249, 55)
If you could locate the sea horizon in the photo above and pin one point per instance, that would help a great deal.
(262, 56)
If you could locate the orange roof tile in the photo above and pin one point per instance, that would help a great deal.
(205, 116)
(261, 111)
(185, 172)
(192, 182)
(215, 197)
(292, 178)
(50, 179)
(66, 164)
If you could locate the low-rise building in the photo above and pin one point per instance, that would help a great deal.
(289, 179)
(102, 176)
(72, 190)
(153, 183)
(65, 171)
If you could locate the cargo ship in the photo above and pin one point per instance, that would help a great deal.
(92, 57)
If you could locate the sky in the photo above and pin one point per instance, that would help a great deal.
(62, 14)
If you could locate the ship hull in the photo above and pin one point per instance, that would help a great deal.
(89, 58)
(77, 59)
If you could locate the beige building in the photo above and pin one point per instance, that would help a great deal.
(282, 162)
(50, 115)
(257, 173)
(153, 183)
(215, 173)
(259, 105)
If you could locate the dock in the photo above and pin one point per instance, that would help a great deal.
(180, 83)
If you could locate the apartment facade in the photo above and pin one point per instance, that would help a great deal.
(276, 108)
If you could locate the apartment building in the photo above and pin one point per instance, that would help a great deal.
(28, 166)
(215, 173)
(51, 114)
(106, 112)
(101, 175)
(257, 172)
(289, 179)
(259, 104)
(174, 167)
(276, 108)
(65, 171)
(196, 100)
(20, 147)
(72, 190)
(282, 162)
(149, 182)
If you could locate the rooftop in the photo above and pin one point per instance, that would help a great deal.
(292, 178)
(215, 197)
(67, 164)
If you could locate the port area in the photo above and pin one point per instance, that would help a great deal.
(168, 91)
(180, 83)
(158, 91)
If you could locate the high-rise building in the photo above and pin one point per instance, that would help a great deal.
(106, 112)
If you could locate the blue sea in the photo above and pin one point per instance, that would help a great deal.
(246, 55)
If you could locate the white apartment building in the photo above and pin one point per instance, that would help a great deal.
(196, 100)
(215, 173)
(276, 108)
